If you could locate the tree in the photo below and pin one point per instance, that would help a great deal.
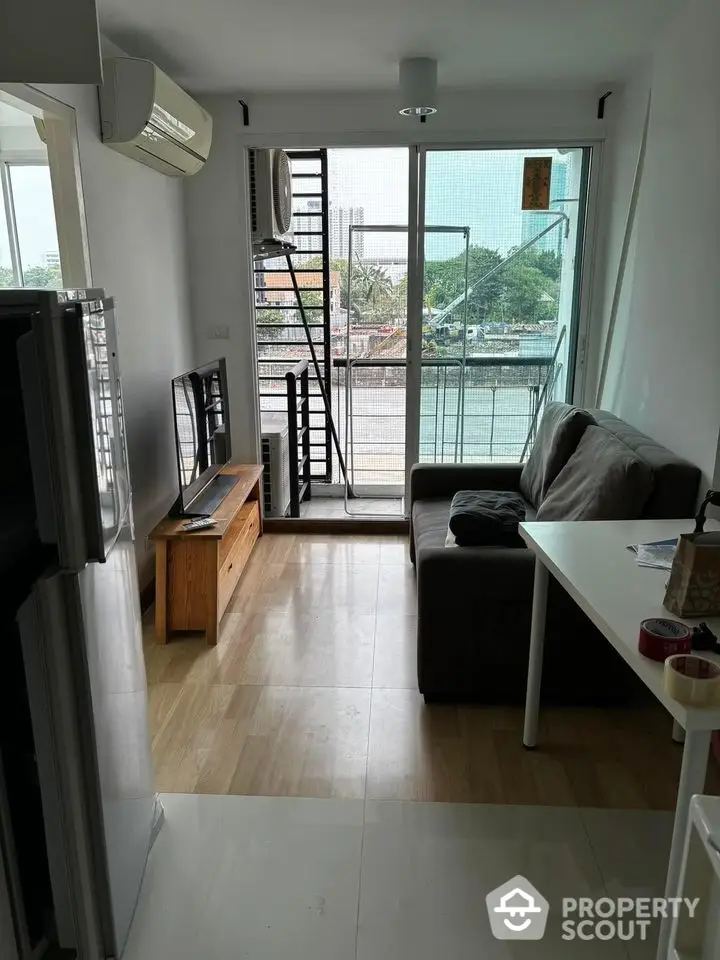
(549, 263)
(370, 282)
(275, 317)
(524, 295)
(501, 289)
(7, 277)
(46, 277)
(445, 283)
(311, 298)
(374, 298)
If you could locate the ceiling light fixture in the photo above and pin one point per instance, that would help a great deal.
(418, 86)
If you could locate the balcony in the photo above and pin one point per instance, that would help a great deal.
(479, 410)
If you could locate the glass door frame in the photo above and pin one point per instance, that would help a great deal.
(374, 491)
(583, 281)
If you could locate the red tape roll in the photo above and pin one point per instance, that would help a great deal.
(660, 639)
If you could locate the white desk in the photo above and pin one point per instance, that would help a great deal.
(593, 564)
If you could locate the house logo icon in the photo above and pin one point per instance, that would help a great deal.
(517, 911)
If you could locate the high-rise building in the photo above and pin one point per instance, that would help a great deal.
(341, 219)
(51, 258)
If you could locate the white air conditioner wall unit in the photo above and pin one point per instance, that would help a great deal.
(275, 443)
(270, 196)
(147, 116)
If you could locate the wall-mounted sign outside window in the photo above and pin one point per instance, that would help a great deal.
(536, 183)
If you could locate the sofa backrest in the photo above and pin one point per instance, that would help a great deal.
(675, 481)
(558, 434)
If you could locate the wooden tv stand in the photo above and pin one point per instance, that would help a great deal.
(196, 573)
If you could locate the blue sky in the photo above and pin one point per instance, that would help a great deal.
(480, 189)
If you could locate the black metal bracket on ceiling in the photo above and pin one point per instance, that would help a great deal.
(245, 113)
(601, 104)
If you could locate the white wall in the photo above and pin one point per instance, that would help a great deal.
(21, 143)
(625, 112)
(664, 364)
(216, 199)
(137, 248)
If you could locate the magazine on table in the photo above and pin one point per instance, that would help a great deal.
(658, 553)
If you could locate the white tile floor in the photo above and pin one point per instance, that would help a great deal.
(299, 879)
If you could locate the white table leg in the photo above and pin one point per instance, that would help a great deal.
(535, 662)
(692, 781)
(678, 733)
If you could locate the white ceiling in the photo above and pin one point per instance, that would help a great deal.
(266, 45)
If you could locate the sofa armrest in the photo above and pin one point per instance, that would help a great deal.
(445, 479)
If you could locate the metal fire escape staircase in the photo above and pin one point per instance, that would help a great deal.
(282, 340)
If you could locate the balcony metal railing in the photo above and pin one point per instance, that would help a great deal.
(482, 409)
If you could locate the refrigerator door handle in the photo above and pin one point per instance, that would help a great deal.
(86, 441)
(121, 468)
(120, 460)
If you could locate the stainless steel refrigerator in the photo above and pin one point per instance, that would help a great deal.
(79, 619)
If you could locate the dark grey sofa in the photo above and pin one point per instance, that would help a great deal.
(474, 603)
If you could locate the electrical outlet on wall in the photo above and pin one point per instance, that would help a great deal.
(221, 332)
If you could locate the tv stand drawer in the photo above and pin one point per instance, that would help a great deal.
(242, 534)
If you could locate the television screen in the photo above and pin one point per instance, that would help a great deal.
(201, 432)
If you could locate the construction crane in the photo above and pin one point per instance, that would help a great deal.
(437, 320)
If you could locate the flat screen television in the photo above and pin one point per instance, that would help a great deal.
(202, 439)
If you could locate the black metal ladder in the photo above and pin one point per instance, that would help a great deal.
(280, 333)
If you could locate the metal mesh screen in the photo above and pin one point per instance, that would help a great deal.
(505, 333)
(368, 187)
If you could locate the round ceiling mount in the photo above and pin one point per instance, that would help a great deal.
(418, 86)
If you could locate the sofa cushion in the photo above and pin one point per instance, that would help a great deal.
(486, 518)
(559, 433)
(675, 481)
(431, 517)
(602, 480)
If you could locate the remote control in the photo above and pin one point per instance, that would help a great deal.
(202, 523)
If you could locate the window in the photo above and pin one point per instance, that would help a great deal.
(29, 250)
(29, 254)
(7, 276)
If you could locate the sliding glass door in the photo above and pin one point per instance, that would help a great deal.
(441, 289)
(493, 311)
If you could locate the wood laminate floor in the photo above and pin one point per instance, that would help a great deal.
(311, 692)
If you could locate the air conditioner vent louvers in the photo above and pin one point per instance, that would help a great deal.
(253, 193)
(275, 447)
